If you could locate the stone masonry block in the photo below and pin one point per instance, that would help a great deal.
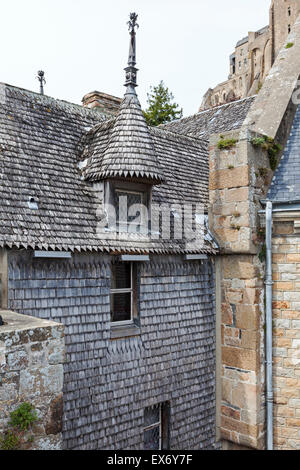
(235, 178)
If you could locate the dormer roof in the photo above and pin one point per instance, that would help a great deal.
(130, 151)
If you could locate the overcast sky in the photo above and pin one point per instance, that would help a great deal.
(83, 44)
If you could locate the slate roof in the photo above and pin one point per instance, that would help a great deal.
(130, 151)
(285, 186)
(222, 118)
(42, 140)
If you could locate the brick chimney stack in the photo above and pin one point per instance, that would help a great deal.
(107, 104)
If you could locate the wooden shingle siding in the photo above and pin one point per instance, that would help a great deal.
(108, 384)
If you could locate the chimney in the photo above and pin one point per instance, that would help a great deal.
(106, 104)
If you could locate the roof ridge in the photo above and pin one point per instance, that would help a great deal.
(217, 107)
(47, 99)
(177, 134)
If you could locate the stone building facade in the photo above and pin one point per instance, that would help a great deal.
(284, 193)
(241, 179)
(275, 114)
(254, 56)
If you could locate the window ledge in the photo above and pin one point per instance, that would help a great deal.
(118, 331)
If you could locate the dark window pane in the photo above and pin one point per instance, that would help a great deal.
(121, 276)
(120, 306)
(151, 439)
(151, 415)
(123, 202)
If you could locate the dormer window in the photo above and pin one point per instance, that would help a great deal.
(129, 210)
(128, 206)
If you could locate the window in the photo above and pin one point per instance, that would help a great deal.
(240, 65)
(289, 28)
(233, 65)
(245, 62)
(289, 11)
(127, 206)
(156, 427)
(123, 293)
(128, 209)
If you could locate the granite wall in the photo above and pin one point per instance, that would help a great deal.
(31, 370)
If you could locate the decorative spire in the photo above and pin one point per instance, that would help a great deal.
(41, 79)
(131, 70)
(130, 151)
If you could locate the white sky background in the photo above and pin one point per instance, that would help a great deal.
(83, 44)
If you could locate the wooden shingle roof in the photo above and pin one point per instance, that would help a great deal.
(130, 150)
(45, 203)
(226, 117)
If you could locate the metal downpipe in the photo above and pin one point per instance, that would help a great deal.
(269, 326)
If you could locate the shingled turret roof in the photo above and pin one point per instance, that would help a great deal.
(130, 150)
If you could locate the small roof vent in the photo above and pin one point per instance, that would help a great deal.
(32, 203)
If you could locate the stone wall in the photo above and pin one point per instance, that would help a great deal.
(274, 98)
(242, 417)
(280, 19)
(286, 332)
(109, 383)
(261, 49)
(239, 178)
(31, 370)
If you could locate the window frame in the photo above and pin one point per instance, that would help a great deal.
(142, 215)
(163, 424)
(131, 327)
(110, 188)
(125, 291)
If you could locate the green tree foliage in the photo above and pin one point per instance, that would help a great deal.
(160, 107)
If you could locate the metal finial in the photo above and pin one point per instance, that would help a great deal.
(131, 70)
(132, 22)
(41, 79)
